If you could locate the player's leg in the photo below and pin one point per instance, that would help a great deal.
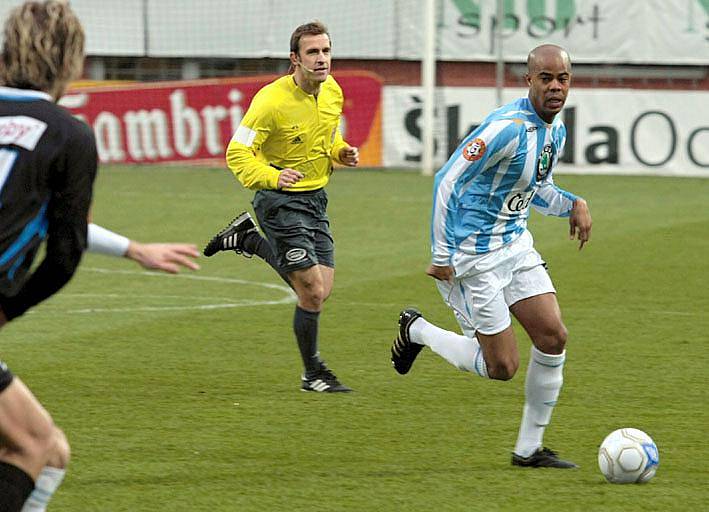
(296, 225)
(500, 353)
(51, 476)
(312, 286)
(328, 277)
(541, 318)
(322, 378)
(462, 351)
(488, 346)
(324, 247)
(288, 226)
(256, 244)
(232, 237)
(242, 236)
(26, 433)
(309, 287)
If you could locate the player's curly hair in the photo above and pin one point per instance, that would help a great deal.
(43, 47)
(314, 28)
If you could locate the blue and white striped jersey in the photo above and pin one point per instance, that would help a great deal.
(482, 195)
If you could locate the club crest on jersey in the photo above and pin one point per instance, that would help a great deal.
(474, 150)
(544, 162)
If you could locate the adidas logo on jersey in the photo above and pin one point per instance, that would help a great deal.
(297, 140)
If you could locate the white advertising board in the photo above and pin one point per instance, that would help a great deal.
(593, 31)
(619, 131)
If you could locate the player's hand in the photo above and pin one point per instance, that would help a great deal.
(165, 257)
(440, 273)
(580, 222)
(289, 177)
(349, 156)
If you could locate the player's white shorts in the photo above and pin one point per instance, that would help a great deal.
(486, 285)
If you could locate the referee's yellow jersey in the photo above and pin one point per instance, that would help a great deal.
(287, 127)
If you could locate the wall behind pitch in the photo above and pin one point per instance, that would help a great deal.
(629, 31)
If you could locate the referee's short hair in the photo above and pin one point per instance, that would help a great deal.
(314, 28)
(43, 46)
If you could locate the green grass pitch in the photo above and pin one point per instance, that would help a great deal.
(182, 393)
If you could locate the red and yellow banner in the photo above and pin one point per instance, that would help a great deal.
(193, 121)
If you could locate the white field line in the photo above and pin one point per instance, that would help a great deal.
(221, 303)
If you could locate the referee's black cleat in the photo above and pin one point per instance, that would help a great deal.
(231, 238)
(323, 381)
(542, 458)
(403, 350)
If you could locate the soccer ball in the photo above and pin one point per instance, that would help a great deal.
(627, 456)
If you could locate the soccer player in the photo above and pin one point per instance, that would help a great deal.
(284, 149)
(47, 167)
(483, 256)
(48, 163)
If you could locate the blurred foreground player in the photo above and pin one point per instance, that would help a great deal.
(47, 168)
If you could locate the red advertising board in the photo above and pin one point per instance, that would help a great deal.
(194, 120)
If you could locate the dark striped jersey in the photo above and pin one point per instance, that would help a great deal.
(48, 163)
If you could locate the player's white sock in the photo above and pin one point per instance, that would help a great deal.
(541, 389)
(462, 352)
(46, 485)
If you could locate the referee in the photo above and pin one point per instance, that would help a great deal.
(284, 149)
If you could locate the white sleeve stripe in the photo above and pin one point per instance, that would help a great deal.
(244, 135)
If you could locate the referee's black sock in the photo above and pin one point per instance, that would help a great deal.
(15, 487)
(305, 326)
(258, 245)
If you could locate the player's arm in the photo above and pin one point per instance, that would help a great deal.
(553, 200)
(255, 128)
(440, 272)
(152, 256)
(67, 211)
(550, 199)
(580, 222)
(341, 152)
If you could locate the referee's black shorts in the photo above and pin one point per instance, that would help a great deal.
(297, 227)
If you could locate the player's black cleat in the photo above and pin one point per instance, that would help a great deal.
(403, 350)
(324, 381)
(231, 238)
(542, 458)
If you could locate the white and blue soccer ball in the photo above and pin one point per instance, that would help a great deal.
(628, 456)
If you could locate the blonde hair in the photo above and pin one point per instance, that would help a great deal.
(43, 47)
